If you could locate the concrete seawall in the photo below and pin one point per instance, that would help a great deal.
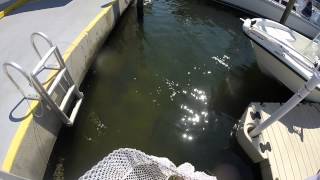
(33, 142)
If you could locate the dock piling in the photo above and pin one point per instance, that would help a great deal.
(140, 12)
(287, 11)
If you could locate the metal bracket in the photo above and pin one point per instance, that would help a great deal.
(265, 147)
(255, 115)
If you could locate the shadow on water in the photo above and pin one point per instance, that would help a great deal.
(241, 87)
(173, 87)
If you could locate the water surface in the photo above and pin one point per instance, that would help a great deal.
(174, 86)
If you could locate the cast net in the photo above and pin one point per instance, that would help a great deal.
(131, 164)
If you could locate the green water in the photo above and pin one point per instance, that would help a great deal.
(174, 86)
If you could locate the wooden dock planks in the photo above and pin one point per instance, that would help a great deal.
(294, 141)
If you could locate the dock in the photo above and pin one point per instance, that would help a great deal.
(289, 149)
(78, 28)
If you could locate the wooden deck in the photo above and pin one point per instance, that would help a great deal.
(294, 151)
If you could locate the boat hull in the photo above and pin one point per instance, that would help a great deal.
(271, 10)
(275, 68)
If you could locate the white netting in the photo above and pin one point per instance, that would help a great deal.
(131, 164)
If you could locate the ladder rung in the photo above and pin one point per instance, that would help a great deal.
(52, 66)
(56, 81)
(66, 98)
(75, 111)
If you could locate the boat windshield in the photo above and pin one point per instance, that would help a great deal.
(312, 50)
(293, 40)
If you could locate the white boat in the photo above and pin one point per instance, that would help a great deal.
(283, 53)
(273, 9)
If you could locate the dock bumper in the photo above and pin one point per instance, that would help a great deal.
(254, 147)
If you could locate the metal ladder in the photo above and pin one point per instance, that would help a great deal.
(62, 79)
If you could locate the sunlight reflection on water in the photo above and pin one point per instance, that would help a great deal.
(194, 119)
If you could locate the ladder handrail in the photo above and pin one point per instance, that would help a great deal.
(54, 50)
(51, 45)
(24, 74)
(63, 73)
(45, 93)
(42, 35)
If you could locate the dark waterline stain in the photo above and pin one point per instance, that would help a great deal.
(173, 87)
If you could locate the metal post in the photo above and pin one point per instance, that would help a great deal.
(287, 12)
(140, 12)
(290, 104)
